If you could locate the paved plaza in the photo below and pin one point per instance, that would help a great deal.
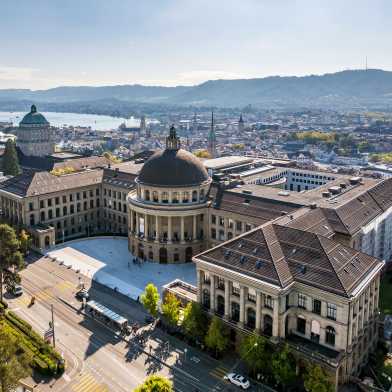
(108, 261)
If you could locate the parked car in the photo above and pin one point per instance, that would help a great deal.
(17, 290)
(238, 380)
(82, 294)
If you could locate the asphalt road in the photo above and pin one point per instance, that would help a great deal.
(97, 359)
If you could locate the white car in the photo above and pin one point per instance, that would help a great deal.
(238, 380)
(17, 290)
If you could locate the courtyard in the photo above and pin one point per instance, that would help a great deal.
(108, 261)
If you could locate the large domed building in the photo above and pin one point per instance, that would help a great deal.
(168, 209)
(34, 135)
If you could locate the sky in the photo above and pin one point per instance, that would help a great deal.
(50, 43)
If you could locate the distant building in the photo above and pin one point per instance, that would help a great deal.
(241, 124)
(34, 135)
(212, 139)
(143, 126)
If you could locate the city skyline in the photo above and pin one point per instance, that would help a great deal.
(185, 43)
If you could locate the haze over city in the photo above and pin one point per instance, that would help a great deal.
(49, 43)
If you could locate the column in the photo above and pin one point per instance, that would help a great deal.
(227, 299)
(137, 223)
(145, 225)
(212, 293)
(242, 305)
(350, 325)
(182, 234)
(169, 229)
(194, 235)
(157, 228)
(275, 326)
(199, 286)
(258, 310)
(131, 219)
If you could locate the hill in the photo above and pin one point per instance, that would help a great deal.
(348, 89)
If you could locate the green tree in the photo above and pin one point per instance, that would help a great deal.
(194, 322)
(10, 159)
(171, 309)
(150, 299)
(25, 241)
(255, 351)
(217, 336)
(283, 366)
(14, 362)
(155, 383)
(11, 259)
(316, 380)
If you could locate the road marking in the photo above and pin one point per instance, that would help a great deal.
(66, 285)
(87, 383)
(24, 300)
(219, 372)
(44, 295)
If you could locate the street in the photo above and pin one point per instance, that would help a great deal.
(97, 359)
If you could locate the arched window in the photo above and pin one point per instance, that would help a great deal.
(235, 311)
(206, 298)
(185, 197)
(165, 197)
(194, 196)
(155, 196)
(251, 318)
(147, 195)
(202, 195)
(175, 197)
(315, 331)
(42, 216)
(32, 220)
(330, 335)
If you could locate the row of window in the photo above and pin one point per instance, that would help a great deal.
(177, 197)
(119, 207)
(64, 199)
(231, 223)
(318, 176)
(316, 306)
(115, 194)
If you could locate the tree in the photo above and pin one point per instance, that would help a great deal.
(217, 337)
(14, 362)
(155, 383)
(25, 241)
(10, 256)
(316, 380)
(202, 154)
(255, 351)
(194, 322)
(150, 299)
(283, 366)
(10, 159)
(171, 309)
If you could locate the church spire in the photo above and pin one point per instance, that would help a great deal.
(212, 139)
(173, 141)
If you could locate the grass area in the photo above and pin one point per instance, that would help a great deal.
(45, 360)
(386, 294)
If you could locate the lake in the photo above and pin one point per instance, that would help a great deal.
(95, 121)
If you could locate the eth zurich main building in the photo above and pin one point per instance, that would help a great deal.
(300, 265)
(168, 208)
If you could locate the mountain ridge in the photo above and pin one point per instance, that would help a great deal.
(348, 88)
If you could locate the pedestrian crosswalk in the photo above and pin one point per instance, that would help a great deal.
(219, 372)
(87, 383)
(44, 295)
(24, 300)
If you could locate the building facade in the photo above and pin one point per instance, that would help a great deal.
(34, 135)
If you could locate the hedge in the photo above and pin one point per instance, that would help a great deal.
(46, 360)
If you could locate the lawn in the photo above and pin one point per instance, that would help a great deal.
(386, 294)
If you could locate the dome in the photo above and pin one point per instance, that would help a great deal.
(172, 168)
(34, 118)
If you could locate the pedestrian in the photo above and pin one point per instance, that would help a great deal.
(137, 299)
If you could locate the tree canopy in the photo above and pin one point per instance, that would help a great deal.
(217, 336)
(155, 383)
(255, 351)
(150, 299)
(283, 366)
(194, 323)
(14, 362)
(171, 309)
(10, 256)
(10, 159)
(316, 380)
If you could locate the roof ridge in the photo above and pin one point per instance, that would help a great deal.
(329, 261)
